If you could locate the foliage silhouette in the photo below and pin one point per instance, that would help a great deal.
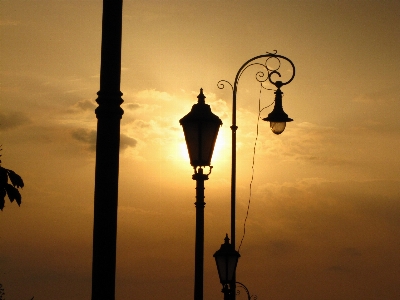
(11, 190)
(2, 292)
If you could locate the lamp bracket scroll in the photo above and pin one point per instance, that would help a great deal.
(249, 297)
(260, 75)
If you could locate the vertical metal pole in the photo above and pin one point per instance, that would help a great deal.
(199, 243)
(233, 184)
(109, 114)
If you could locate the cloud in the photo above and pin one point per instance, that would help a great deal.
(154, 95)
(306, 142)
(88, 137)
(85, 136)
(9, 23)
(132, 106)
(220, 108)
(142, 124)
(126, 141)
(280, 247)
(12, 120)
(86, 105)
(388, 95)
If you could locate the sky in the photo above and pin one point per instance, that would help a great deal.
(324, 218)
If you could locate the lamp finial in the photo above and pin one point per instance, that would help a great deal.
(201, 98)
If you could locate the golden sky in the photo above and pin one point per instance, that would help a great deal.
(324, 221)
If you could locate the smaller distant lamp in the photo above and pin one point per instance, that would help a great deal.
(226, 259)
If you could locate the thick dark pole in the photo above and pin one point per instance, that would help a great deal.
(109, 114)
(199, 246)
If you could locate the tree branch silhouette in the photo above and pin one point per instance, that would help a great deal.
(11, 190)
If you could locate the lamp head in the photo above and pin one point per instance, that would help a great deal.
(200, 127)
(226, 259)
(278, 118)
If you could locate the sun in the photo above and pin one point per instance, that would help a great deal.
(220, 148)
(219, 154)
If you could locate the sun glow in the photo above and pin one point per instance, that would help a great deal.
(220, 148)
(184, 152)
(219, 154)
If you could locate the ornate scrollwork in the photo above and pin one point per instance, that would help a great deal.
(262, 76)
(249, 297)
(221, 84)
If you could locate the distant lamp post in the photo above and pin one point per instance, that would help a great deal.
(226, 259)
(200, 127)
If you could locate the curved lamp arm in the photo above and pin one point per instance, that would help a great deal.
(249, 297)
(261, 77)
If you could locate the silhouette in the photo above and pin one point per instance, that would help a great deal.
(11, 190)
(2, 292)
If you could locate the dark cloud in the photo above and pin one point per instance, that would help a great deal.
(338, 269)
(279, 247)
(126, 141)
(12, 120)
(132, 106)
(86, 105)
(351, 252)
(88, 137)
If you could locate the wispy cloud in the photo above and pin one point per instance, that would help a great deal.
(88, 137)
(13, 120)
(9, 22)
(85, 136)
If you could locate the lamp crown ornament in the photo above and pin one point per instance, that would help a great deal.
(201, 97)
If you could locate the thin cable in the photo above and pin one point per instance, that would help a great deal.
(252, 166)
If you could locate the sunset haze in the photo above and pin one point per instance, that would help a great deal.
(324, 217)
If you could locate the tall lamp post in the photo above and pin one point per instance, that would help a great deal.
(109, 114)
(277, 118)
(200, 127)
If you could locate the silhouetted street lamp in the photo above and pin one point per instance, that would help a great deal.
(277, 118)
(200, 127)
(226, 259)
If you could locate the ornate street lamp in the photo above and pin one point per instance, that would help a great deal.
(200, 127)
(226, 259)
(277, 118)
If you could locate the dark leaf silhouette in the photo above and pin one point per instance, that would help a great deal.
(3, 177)
(16, 180)
(13, 194)
(2, 292)
(11, 190)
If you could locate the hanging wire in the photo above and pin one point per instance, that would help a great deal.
(252, 166)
